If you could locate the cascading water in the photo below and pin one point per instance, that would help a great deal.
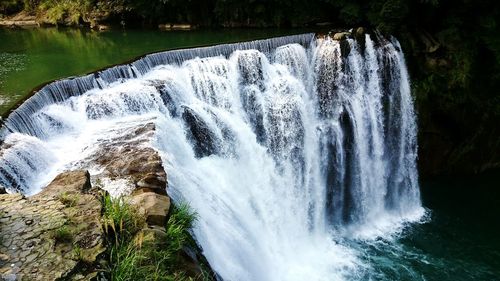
(284, 147)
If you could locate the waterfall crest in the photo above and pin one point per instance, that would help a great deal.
(284, 147)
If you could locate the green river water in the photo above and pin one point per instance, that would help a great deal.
(460, 240)
(31, 57)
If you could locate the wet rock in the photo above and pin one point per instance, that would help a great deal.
(129, 160)
(152, 182)
(341, 36)
(345, 48)
(72, 182)
(359, 35)
(360, 32)
(205, 143)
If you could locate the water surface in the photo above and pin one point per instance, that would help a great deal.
(459, 239)
(30, 57)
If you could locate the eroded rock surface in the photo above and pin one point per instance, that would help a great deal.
(54, 234)
(58, 232)
(127, 156)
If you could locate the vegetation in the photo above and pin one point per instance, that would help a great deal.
(63, 234)
(121, 221)
(69, 200)
(134, 255)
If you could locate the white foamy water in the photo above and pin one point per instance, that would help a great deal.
(284, 147)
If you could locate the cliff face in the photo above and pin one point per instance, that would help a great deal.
(454, 86)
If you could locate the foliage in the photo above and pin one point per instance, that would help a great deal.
(132, 257)
(10, 6)
(180, 222)
(69, 200)
(121, 221)
(63, 234)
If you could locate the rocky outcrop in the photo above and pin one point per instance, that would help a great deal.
(54, 234)
(129, 160)
(58, 233)
(154, 207)
(20, 20)
(341, 35)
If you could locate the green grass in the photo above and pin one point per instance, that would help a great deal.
(63, 234)
(121, 221)
(133, 258)
(69, 200)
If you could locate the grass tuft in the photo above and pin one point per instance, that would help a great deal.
(121, 221)
(63, 234)
(135, 259)
(68, 200)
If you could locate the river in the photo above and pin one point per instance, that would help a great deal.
(456, 239)
(31, 57)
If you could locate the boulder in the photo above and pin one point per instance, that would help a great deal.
(130, 158)
(341, 36)
(71, 182)
(153, 206)
(205, 141)
(151, 235)
(360, 31)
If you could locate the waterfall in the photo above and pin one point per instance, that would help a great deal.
(284, 147)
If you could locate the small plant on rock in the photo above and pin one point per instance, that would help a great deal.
(121, 221)
(63, 234)
(69, 200)
(132, 258)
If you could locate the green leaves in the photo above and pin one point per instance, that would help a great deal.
(134, 258)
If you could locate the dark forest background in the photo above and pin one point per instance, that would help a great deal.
(452, 49)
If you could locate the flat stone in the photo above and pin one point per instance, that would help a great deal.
(28, 241)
